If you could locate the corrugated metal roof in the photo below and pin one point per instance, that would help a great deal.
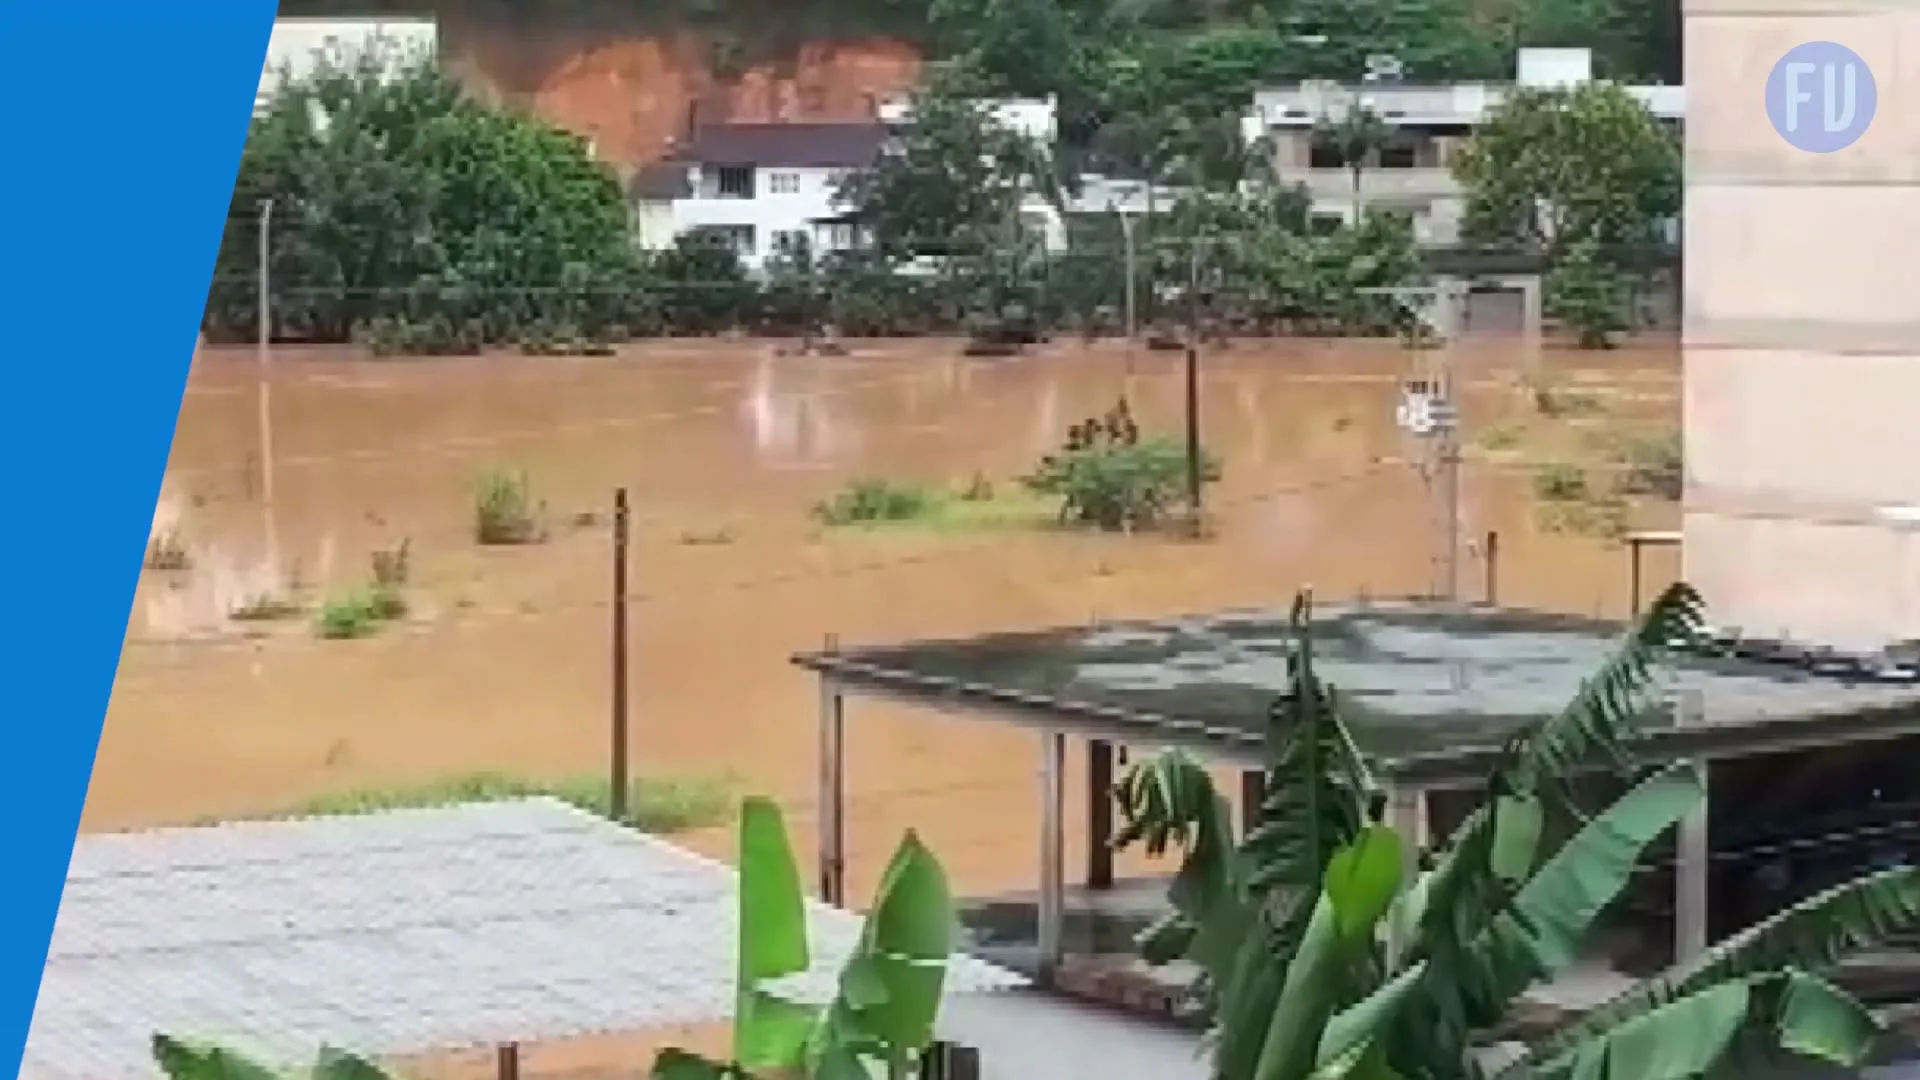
(397, 933)
(1430, 692)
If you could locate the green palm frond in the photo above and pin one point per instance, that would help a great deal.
(1696, 1034)
(1813, 936)
(1464, 894)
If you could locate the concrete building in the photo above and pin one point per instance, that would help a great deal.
(1427, 123)
(1802, 345)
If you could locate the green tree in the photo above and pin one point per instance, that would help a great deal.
(399, 200)
(1591, 295)
(1356, 134)
(1551, 167)
(1285, 921)
(953, 185)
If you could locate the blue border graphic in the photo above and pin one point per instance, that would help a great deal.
(127, 121)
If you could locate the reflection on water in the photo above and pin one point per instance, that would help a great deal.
(792, 426)
(724, 447)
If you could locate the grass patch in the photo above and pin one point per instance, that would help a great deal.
(266, 607)
(1552, 398)
(167, 550)
(974, 505)
(1499, 438)
(1651, 465)
(505, 512)
(1560, 482)
(653, 805)
(359, 612)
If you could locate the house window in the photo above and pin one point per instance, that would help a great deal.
(1324, 153)
(1400, 153)
(1327, 222)
(738, 237)
(840, 237)
(793, 243)
(783, 183)
(736, 182)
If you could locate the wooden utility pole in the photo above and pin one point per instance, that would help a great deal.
(618, 783)
(1196, 473)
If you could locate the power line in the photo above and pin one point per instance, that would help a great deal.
(753, 584)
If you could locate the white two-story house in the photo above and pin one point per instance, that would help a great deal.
(754, 185)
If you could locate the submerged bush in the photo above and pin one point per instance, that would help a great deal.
(1109, 476)
(872, 501)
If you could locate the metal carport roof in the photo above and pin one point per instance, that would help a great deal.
(395, 934)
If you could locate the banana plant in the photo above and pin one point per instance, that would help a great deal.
(180, 1059)
(1506, 904)
(889, 990)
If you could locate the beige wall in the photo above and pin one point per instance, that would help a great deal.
(1802, 330)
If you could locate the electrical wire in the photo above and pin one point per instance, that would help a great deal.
(194, 647)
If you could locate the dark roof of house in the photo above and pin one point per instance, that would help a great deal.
(820, 145)
(1431, 693)
(662, 180)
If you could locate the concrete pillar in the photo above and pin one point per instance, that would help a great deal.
(1051, 915)
(1693, 857)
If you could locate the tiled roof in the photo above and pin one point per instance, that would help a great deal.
(823, 145)
(661, 181)
(395, 934)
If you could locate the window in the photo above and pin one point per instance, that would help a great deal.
(1325, 154)
(1400, 152)
(840, 237)
(736, 182)
(738, 237)
(792, 243)
(783, 183)
(1327, 222)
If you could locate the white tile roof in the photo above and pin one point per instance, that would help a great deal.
(395, 933)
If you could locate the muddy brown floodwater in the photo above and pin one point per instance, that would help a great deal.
(724, 446)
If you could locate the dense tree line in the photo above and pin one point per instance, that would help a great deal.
(413, 218)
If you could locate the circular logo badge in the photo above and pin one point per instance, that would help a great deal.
(1821, 97)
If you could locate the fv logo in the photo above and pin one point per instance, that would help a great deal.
(1821, 97)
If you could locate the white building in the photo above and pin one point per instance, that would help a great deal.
(1427, 123)
(296, 44)
(754, 184)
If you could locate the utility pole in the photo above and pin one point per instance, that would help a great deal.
(1126, 236)
(1196, 477)
(263, 348)
(1429, 411)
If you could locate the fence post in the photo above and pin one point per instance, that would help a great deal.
(1491, 551)
(833, 788)
(506, 1061)
(618, 781)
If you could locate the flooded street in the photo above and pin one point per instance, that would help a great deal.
(724, 446)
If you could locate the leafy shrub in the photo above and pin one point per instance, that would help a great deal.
(167, 550)
(1560, 482)
(504, 510)
(1652, 465)
(871, 501)
(392, 568)
(348, 616)
(1110, 477)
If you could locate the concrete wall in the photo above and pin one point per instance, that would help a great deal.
(1802, 335)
